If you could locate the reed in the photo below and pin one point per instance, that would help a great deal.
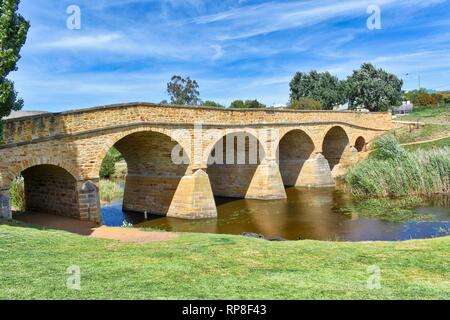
(393, 171)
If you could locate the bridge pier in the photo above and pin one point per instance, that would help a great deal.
(193, 198)
(5, 205)
(266, 183)
(315, 173)
(89, 200)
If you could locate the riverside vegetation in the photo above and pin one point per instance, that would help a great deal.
(393, 171)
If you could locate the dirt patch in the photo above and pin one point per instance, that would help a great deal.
(91, 229)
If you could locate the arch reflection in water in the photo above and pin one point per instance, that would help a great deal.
(305, 214)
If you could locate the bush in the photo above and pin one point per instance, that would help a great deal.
(387, 147)
(305, 104)
(107, 168)
(438, 97)
(17, 194)
(424, 99)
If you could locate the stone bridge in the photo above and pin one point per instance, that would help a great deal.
(173, 155)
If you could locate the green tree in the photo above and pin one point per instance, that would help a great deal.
(254, 104)
(323, 87)
(183, 91)
(237, 104)
(209, 103)
(305, 104)
(247, 104)
(108, 167)
(375, 89)
(13, 34)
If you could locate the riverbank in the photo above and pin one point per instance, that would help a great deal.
(207, 266)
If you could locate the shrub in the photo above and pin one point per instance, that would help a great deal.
(387, 147)
(438, 97)
(305, 104)
(424, 99)
(17, 194)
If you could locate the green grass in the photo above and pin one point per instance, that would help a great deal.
(33, 265)
(426, 132)
(429, 145)
(437, 124)
(388, 209)
(430, 114)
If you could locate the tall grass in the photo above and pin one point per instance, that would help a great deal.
(17, 194)
(110, 190)
(392, 171)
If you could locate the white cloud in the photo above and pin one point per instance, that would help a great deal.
(98, 41)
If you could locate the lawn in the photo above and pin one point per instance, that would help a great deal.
(426, 132)
(201, 266)
(429, 145)
(437, 124)
(437, 115)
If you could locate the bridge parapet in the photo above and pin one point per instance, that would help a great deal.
(26, 129)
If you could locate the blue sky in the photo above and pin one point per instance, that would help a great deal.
(127, 50)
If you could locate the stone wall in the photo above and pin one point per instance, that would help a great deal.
(50, 189)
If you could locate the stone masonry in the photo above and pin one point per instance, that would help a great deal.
(172, 155)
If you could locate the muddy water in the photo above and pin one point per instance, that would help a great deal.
(305, 214)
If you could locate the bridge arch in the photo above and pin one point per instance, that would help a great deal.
(9, 175)
(51, 189)
(360, 144)
(334, 145)
(113, 139)
(233, 161)
(154, 170)
(294, 149)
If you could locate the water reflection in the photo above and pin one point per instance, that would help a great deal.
(305, 214)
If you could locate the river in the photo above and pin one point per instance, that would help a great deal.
(319, 214)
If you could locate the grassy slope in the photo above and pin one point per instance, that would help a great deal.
(431, 114)
(437, 121)
(33, 265)
(429, 145)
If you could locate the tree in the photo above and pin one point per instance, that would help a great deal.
(183, 91)
(209, 103)
(248, 104)
(13, 34)
(323, 87)
(375, 89)
(237, 104)
(305, 104)
(254, 104)
(108, 166)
